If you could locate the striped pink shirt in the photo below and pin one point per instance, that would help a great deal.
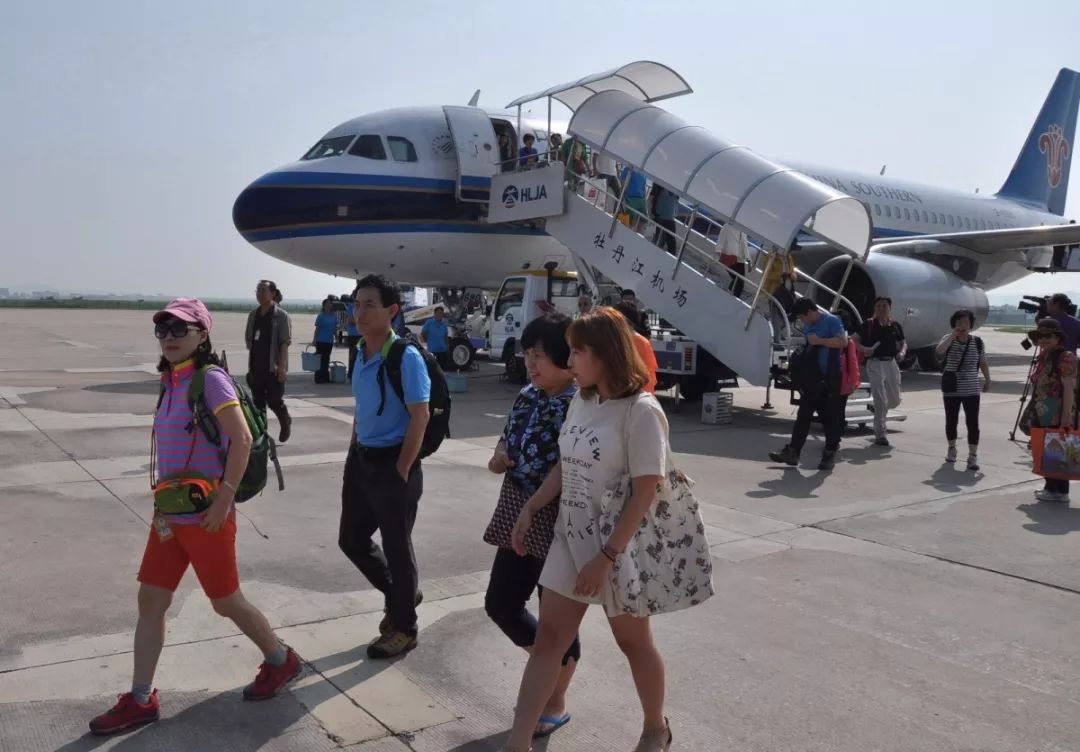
(178, 438)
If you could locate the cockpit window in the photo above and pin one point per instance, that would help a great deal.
(401, 148)
(329, 147)
(369, 146)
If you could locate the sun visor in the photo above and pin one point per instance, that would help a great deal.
(644, 81)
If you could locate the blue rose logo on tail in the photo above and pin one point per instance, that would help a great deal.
(510, 196)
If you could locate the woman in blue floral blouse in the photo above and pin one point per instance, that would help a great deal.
(526, 453)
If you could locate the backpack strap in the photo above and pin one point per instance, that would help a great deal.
(391, 368)
(200, 413)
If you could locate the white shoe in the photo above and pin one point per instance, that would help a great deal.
(1052, 496)
(950, 455)
(972, 462)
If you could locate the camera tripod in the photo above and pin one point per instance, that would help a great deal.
(1024, 395)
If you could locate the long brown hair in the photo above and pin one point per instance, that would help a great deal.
(608, 335)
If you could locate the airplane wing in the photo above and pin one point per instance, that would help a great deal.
(994, 241)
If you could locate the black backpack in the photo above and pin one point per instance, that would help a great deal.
(263, 450)
(804, 370)
(438, 427)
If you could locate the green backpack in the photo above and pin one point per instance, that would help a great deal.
(263, 449)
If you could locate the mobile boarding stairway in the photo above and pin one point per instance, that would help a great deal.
(614, 114)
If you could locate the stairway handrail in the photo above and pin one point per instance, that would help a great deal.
(709, 261)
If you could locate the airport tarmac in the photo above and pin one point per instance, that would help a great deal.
(897, 604)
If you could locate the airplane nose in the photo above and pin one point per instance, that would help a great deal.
(267, 204)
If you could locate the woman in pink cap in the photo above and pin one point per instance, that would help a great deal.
(194, 517)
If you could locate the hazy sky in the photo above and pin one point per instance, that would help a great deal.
(129, 126)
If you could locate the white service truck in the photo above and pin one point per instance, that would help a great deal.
(528, 294)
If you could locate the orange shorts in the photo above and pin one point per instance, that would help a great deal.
(213, 555)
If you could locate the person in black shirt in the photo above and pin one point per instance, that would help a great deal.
(267, 337)
(881, 341)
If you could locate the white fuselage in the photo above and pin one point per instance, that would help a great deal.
(348, 215)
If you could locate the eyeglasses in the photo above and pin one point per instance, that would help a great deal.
(177, 328)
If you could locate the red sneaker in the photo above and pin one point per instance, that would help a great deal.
(126, 714)
(272, 679)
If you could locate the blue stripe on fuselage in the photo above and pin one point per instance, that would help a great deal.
(374, 228)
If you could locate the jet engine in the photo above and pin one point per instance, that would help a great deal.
(923, 295)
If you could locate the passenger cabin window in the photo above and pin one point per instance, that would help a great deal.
(888, 211)
(967, 223)
(401, 148)
(369, 147)
(925, 217)
(907, 214)
(952, 221)
(877, 209)
(328, 147)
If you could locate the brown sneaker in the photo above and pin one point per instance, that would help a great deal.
(386, 626)
(391, 645)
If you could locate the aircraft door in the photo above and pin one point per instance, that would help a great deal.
(507, 315)
(477, 151)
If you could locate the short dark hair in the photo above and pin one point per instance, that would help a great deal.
(803, 306)
(963, 312)
(549, 331)
(880, 298)
(1061, 299)
(627, 291)
(528, 137)
(389, 292)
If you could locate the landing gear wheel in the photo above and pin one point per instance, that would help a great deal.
(462, 353)
(928, 360)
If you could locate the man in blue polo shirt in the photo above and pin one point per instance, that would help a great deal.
(824, 332)
(383, 481)
(435, 334)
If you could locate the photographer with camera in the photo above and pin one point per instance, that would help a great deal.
(1061, 309)
(1053, 401)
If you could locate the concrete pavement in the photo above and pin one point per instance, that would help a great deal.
(896, 604)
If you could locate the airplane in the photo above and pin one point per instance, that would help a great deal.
(384, 192)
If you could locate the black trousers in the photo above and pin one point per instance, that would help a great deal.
(267, 391)
(1056, 485)
(325, 350)
(663, 239)
(829, 405)
(513, 579)
(737, 283)
(353, 341)
(971, 417)
(374, 497)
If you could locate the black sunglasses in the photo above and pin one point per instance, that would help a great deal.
(177, 328)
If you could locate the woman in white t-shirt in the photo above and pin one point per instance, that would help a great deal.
(611, 425)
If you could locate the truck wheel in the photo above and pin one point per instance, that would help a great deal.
(515, 366)
(461, 353)
(691, 388)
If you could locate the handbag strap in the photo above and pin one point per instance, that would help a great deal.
(963, 355)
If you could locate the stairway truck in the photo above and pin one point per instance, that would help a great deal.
(680, 361)
(522, 297)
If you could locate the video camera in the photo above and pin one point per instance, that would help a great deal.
(1037, 305)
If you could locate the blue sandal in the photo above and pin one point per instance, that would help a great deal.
(553, 724)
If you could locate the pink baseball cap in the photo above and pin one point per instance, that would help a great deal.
(190, 310)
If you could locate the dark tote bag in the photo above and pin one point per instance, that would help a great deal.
(949, 383)
(512, 499)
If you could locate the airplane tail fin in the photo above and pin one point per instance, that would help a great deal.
(1040, 176)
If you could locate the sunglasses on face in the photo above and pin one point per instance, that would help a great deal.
(177, 328)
